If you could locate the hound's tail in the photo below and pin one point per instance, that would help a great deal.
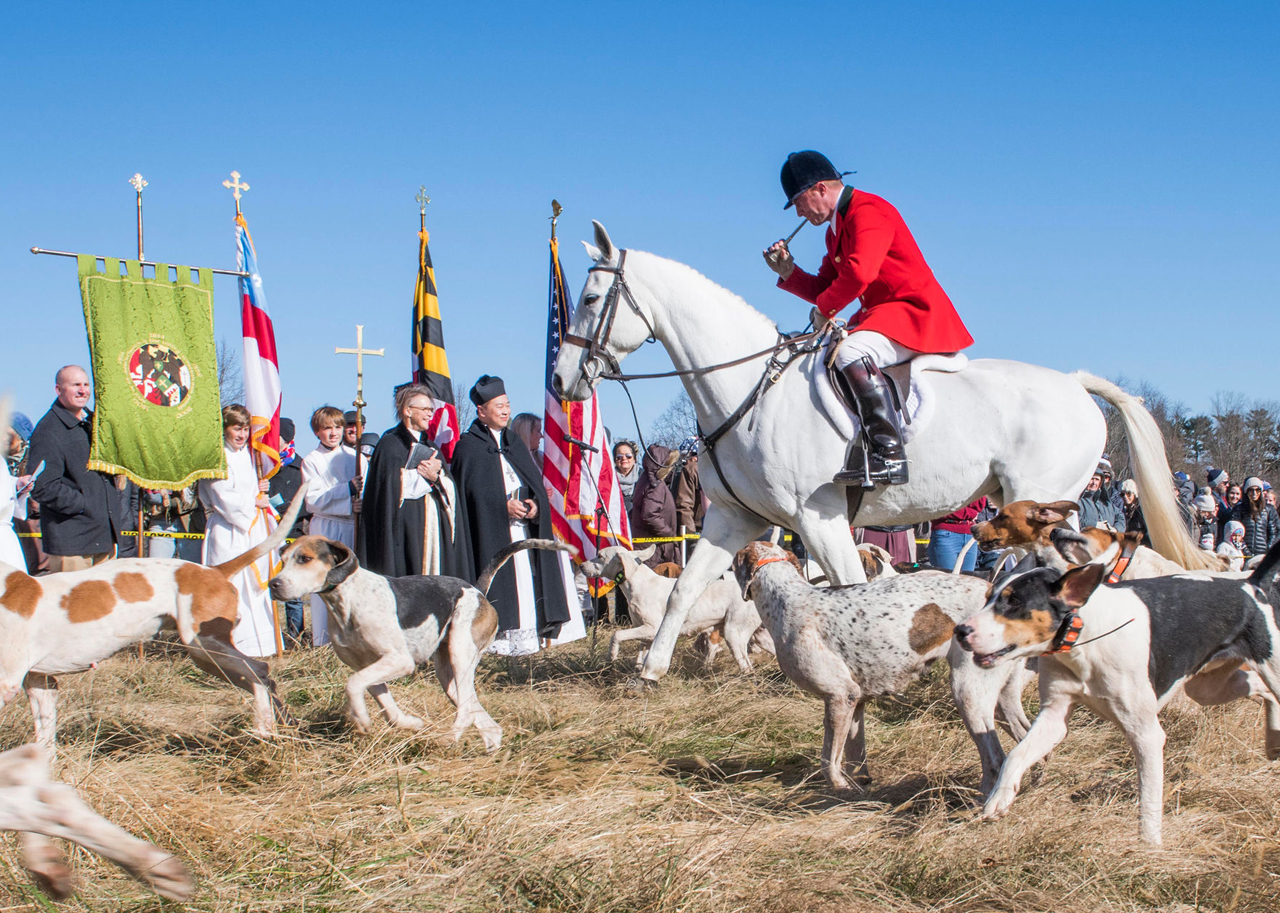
(1264, 574)
(491, 571)
(1168, 532)
(235, 565)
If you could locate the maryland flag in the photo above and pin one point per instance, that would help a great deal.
(430, 365)
(158, 419)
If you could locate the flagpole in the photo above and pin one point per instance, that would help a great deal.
(235, 185)
(138, 183)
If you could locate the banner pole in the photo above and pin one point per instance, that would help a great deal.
(138, 183)
(359, 352)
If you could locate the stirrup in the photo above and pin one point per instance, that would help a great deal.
(874, 470)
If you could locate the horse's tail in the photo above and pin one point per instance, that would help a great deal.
(1150, 465)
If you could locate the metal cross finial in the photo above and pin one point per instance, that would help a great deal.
(422, 198)
(235, 186)
(359, 352)
(137, 182)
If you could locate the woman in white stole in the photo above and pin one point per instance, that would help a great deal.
(236, 513)
(329, 474)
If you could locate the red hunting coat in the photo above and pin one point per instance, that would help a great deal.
(871, 255)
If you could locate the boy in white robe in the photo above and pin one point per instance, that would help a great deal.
(237, 512)
(329, 474)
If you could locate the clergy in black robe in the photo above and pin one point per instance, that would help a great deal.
(489, 463)
(411, 522)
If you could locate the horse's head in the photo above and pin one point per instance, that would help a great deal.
(607, 325)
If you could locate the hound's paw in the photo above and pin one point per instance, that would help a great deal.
(360, 725)
(407, 721)
(170, 879)
(998, 805)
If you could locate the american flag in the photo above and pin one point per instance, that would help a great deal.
(582, 512)
(261, 367)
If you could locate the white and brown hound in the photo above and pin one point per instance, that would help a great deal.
(64, 623)
(386, 627)
(40, 809)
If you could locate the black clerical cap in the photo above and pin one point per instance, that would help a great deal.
(286, 429)
(487, 388)
(349, 417)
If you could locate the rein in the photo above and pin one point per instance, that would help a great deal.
(601, 365)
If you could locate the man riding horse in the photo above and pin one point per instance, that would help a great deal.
(870, 255)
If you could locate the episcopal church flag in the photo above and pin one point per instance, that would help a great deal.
(261, 368)
(157, 416)
(586, 500)
(430, 366)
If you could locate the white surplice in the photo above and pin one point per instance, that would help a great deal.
(234, 524)
(327, 475)
(10, 505)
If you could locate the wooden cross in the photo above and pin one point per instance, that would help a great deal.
(235, 186)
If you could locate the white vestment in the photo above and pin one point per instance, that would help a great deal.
(523, 640)
(234, 525)
(10, 547)
(326, 475)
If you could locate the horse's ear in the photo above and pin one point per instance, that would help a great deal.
(607, 250)
(593, 252)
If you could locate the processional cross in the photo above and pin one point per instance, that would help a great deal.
(359, 352)
(235, 186)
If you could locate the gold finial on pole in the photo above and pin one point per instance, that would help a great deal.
(556, 209)
(138, 183)
(235, 186)
(423, 200)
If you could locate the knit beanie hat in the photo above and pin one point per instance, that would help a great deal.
(1217, 477)
(1253, 482)
(1205, 503)
(1129, 486)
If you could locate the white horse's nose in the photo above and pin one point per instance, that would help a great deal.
(557, 385)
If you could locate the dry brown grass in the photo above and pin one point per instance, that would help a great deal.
(701, 796)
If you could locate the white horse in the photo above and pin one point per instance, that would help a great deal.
(1004, 429)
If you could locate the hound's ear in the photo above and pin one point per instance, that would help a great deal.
(1071, 545)
(607, 250)
(1076, 586)
(1053, 513)
(344, 564)
(645, 553)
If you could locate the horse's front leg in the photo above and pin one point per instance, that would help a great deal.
(723, 533)
(830, 543)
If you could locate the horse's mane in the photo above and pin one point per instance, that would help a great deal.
(687, 274)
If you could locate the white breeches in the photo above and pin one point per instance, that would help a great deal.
(882, 350)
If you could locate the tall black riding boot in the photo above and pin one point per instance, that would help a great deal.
(888, 458)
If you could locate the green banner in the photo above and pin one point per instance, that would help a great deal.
(157, 416)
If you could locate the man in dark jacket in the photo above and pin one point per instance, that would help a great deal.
(79, 522)
(501, 491)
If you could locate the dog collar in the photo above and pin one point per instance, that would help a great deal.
(1068, 633)
(760, 564)
(1122, 564)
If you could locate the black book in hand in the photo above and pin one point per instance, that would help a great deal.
(419, 454)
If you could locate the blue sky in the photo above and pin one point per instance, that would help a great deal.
(1094, 185)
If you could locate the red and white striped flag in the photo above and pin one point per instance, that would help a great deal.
(261, 367)
(586, 500)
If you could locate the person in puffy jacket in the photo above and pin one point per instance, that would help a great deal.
(653, 509)
(1260, 520)
(1096, 508)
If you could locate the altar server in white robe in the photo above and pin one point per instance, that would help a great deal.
(237, 512)
(329, 472)
(13, 503)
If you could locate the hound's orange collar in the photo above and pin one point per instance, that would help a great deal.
(1122, 564)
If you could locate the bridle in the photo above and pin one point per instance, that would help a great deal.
(599, 362)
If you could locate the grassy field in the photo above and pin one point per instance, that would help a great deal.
(700, 796)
